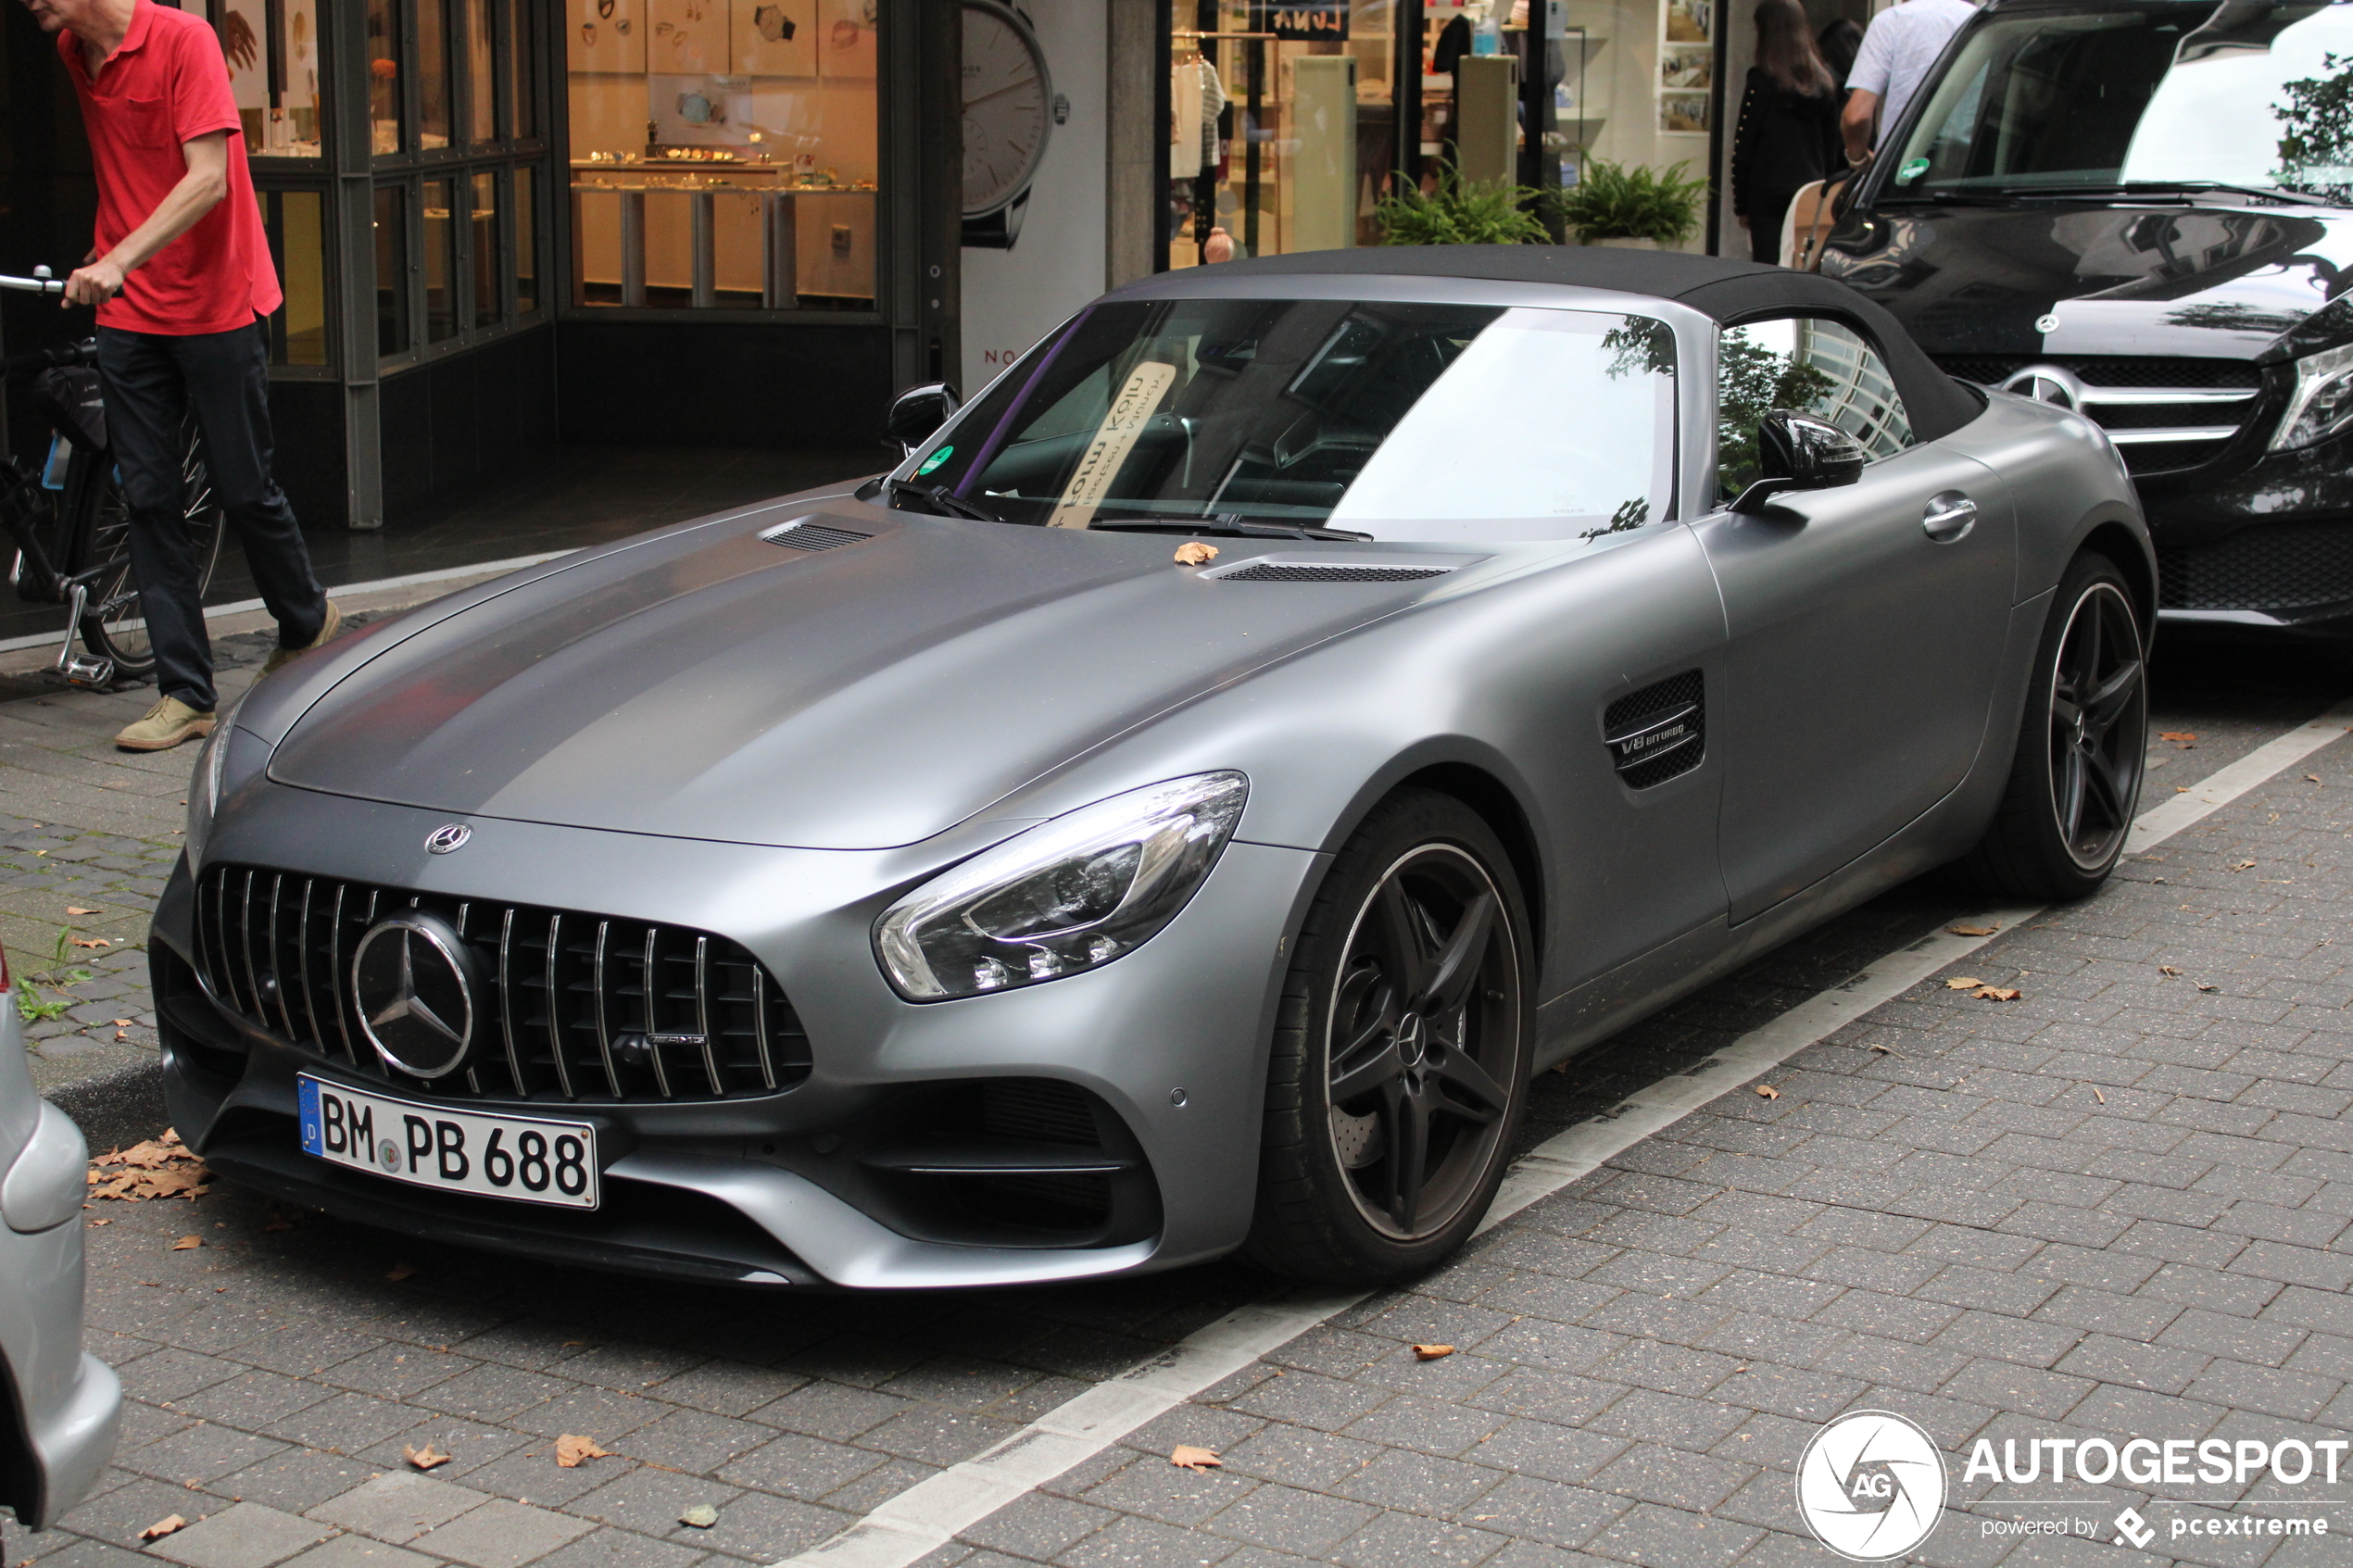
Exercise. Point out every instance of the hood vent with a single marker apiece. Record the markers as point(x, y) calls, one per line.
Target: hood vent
point(804, 535)
point(1289, 571)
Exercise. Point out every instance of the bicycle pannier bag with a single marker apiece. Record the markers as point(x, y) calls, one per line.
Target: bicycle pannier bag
point(69, 397)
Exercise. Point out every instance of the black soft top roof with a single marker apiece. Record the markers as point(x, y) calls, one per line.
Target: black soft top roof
point(1716, 286)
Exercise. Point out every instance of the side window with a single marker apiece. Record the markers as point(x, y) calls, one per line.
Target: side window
point(1809, 364)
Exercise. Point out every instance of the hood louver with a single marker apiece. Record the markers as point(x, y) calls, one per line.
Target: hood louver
point(1285, 572)
point(803, 535)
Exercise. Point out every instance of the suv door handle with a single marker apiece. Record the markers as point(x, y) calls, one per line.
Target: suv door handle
point(1948, 517)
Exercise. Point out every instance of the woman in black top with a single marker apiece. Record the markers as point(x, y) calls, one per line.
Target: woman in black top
point(1788, 135)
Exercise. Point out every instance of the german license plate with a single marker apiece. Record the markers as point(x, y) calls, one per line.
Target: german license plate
point(524, 1158)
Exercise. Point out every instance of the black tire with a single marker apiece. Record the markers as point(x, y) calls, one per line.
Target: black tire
point(113, 627)
point(1441, 1051)
point(2081, 744)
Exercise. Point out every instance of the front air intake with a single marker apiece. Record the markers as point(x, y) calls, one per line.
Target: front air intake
point(1659, 732)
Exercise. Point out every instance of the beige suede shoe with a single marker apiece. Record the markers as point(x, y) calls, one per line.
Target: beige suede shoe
point(334, 623)
point(169, 723)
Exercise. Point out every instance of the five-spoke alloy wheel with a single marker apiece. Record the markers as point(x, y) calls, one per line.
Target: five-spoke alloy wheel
point(1400, 1066)
point(2068, 807)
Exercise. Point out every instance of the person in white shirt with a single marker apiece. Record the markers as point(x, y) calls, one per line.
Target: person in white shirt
point(1903, 43)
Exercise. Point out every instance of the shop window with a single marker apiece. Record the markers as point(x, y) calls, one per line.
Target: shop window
point(486, 255)
point(295, 222)
point(482, 74)
point(1283, 127)
point(392, 271)
point(383, 77)
point(440, 235)
point(725, 153)
point(526, 240)
point(273, 50)
point(1810, 365)
point(433, 74)
point(522, 107)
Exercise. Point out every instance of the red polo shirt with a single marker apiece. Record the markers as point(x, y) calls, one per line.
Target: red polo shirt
point(165, 85)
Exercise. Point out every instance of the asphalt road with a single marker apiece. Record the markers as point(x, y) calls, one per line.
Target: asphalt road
point(2116, 1208)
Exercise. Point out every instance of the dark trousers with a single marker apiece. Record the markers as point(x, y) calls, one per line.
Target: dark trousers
point(151, 379)
point(1768, 210)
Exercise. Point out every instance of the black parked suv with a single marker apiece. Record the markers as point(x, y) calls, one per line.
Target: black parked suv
point(2144, 208)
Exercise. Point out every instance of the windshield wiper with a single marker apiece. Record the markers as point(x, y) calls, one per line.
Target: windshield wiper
point(942, 501)
point(2172, 188)
point(1225, 525)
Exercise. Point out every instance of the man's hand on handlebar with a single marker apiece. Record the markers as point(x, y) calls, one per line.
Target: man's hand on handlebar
point(94, 283)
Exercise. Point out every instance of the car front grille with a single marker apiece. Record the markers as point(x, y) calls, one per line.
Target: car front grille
point(2164, 415)
point(2285, 566)
point(565, 1011)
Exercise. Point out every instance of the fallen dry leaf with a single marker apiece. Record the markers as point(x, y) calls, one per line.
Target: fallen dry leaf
point(2242, 865)
point(424, 1458)
point(2311, 778)
point(2177, 734)
point(1431, 1352)
point(122, 1024)
point(702, 1516)
point(2098, 1096)
point(278, 1223)
point(398, 1271)
point(571, 1449)
point(2204, 986)
point(2167, 969)
point(91, 942)
point(1973, 930)
point(1966, 982)
point(1884, 1050)
point(163, 1528)
point(1996, 993)
point(78, 909)
point(186, 1243)
point(96, 1224)
point(1191, 1458)
point(1766, 1091)
point(1194, 553)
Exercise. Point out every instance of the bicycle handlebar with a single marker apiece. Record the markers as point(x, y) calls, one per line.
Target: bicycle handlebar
point(40, 282)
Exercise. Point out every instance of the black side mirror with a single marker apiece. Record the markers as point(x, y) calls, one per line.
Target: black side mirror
point(1799, 452)
point(917, 413)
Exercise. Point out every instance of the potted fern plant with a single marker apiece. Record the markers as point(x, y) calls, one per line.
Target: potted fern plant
point(1637, 208)
point(1459, 212)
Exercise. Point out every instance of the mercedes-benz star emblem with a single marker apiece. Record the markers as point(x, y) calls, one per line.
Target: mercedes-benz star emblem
point(448, 837)
point(414, 979)
point(2047, 383)
point(2047, 324)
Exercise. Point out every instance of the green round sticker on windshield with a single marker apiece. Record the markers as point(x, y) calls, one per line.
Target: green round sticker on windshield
point(934, 460)
point(1911, 171)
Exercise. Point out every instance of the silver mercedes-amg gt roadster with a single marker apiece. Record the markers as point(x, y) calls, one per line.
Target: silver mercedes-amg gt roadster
point(1179, 807)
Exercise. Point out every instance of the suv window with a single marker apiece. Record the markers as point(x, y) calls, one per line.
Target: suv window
point(1807, 364)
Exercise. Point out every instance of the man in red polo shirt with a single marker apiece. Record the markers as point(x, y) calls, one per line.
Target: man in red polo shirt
point(182, 277)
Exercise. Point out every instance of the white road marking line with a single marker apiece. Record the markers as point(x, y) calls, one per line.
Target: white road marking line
point(216, 612)
point(930, 1513)
point(2226, 784)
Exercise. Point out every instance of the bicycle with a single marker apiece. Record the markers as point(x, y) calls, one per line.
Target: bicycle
point(75, 549)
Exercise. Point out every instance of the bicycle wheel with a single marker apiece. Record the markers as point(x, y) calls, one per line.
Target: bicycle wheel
point(114, 625)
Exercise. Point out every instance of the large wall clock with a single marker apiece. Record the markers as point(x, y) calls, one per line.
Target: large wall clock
point(1008, 115)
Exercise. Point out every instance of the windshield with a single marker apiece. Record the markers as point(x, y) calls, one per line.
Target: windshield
point(2247, 94)
point(1401, 421)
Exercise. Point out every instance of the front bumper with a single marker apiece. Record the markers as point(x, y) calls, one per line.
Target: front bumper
point(1167, 1045)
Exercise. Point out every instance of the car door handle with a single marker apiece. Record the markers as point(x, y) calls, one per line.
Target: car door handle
point(1948, 517)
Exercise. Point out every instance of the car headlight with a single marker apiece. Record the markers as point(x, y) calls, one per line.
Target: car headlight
point(2323, 401)
point(1068, 895)
point(211, 779)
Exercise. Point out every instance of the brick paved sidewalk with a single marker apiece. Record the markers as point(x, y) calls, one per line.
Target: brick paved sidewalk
point(2117, 1206)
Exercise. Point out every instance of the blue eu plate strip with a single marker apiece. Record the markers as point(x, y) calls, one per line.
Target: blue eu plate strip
point(313, 1142)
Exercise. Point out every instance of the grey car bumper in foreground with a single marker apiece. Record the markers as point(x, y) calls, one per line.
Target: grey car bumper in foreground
point(60, 1406)
point(895, 1163)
